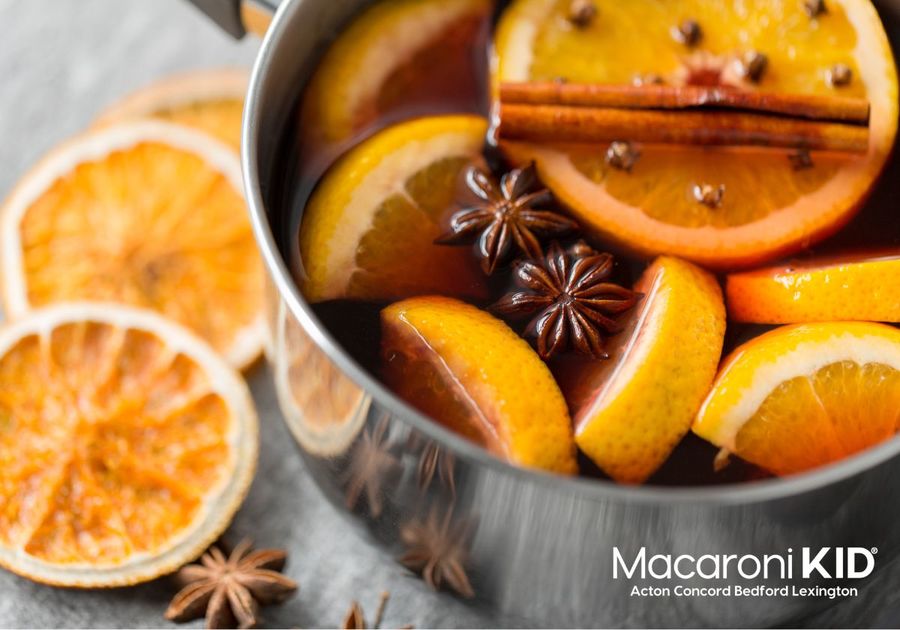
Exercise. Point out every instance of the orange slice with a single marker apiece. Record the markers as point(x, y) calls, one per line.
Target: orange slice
point(632, 410)
point(397, 57)
point(148, 214)
point(368, 231)
point(768, 207)
point(126, 445)
point(208, 100)
point(806, 395)
point(471, 372)
point(847, 287)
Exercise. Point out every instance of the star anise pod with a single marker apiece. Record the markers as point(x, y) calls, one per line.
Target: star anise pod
point(371, 463)
point(230, 590)
point(578, 306)
point(436, 463)
point(438, 549)
point(508, 219)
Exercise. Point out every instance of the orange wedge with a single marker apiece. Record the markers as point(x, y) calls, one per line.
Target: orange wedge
point(368, 231)
point(208, 100)
point(471, 372)
point(631, 410)
point(769, 207)
point(806, 395)
point(846, 287)
point(145, 213)
point(396, 57)
point(126, 445)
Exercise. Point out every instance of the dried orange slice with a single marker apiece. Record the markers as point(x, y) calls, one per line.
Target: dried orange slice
point(471, 372)
point(768, 207)
point(368, 231)
point(849, 287)
point(806, 395)
point(632, 410)
point(208, 100)
point(126, 445)
point(148, 214)
point(396, 57)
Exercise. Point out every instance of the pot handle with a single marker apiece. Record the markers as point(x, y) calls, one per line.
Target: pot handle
point(238, 17)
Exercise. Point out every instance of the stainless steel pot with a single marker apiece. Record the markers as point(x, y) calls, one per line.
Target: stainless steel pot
point(535, 547)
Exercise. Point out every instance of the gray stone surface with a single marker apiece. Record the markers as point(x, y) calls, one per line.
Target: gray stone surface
point(61, 62)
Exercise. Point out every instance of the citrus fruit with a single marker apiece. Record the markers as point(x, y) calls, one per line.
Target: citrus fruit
point(208, 100)
point(145, 213)
point(471, 372)
point(126, 445)
point(396, 57)
point(631, 410)
point(769, 206)
point(368, 231)
point(801, 396)
point(850, 287)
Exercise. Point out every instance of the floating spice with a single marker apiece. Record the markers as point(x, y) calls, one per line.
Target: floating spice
point(622, 155)
point(839, 75)
point(577, 305)
point(687, 33)
point(814, 8)
point(582, 13)
point(752, 65)
point(709, 195)
point(800, 160)
point(507, 221)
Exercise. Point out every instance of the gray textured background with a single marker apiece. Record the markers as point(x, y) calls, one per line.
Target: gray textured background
point(61, 61)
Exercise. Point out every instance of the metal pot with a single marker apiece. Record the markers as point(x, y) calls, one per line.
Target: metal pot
point(534, 547)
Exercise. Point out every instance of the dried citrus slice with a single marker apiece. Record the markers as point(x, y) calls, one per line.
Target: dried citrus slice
point(148, 214)
point(850, 287)
point(471, 372)
point(806, 395)
point(380, 208)
point(209, 100)
point(126, 445)
point(396, 57)
point(630, 411)
point(769, 207)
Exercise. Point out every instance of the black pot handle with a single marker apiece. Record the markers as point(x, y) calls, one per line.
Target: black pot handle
point(236, 17)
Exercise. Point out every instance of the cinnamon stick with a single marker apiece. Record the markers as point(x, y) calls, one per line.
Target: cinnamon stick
point(564, 123)
point(667, 97)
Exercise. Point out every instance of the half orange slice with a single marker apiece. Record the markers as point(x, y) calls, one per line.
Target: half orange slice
point(802, 396)
point(849, 287)
point(768, 207)
point(471, 372)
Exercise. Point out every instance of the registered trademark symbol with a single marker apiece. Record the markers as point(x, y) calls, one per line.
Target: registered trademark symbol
point(874, 550)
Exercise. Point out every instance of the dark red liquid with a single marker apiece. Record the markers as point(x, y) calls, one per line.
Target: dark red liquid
point(453, 79)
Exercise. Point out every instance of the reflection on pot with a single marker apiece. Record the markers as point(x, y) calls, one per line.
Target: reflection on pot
point(324, 409)
point(437, 547)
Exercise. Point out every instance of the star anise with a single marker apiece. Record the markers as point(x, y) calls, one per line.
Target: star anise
point(355, 618)
point(436, 462)
point(578, 305)
point(507, 219)
point(438, 549)
point(230, 590)
point(371, 463)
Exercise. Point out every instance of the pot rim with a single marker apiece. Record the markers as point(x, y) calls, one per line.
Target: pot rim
point(590, 489)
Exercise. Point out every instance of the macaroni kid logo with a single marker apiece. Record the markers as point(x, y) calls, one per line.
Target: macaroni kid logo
point(823, 564)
